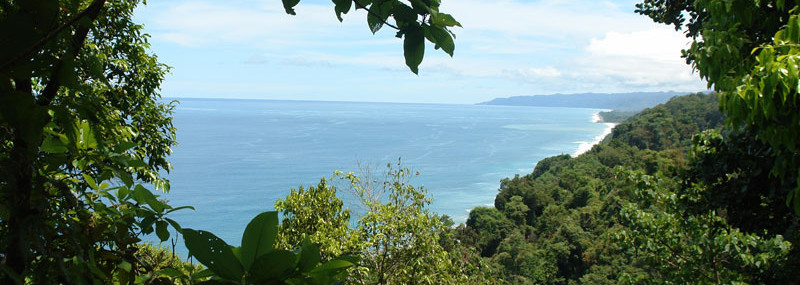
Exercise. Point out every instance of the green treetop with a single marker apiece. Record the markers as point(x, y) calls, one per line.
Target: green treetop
point(83, 129)
point(748, 52)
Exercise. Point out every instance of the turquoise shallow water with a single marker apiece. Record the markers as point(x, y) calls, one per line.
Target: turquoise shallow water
point(236, 157)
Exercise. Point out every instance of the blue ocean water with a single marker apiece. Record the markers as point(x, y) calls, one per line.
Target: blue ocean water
point(235, 158)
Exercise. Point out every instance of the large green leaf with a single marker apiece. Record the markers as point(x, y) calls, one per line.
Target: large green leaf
point(143, 195)
point(214, 253)
point(342, 7)
point(377, 15)
point(171, 272)
point(205, 273)
point(309, 256)
point(52, 144)
point(272, 266)
point(327, 272)
point(85, 136)
point(414, 48)
point(441, 38)
point(259, 237)
point(161, 230)
point(444, 20)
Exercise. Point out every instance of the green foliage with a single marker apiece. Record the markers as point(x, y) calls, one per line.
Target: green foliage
point(82, 130)
point(747, 51)
point(616, 116)
point(735, 171)
point(399, 237)
point(661, 127)
point(161, 266)
point(689, 208)
point(414, 21)
point(564, 232)
point(317, 214)
point(516, 210)
point(256, 261)
point(492, 225)
point(695, 247)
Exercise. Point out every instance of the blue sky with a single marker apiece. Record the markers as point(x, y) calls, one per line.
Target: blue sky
point(253, 49)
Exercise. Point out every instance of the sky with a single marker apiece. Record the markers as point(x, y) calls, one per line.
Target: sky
point(254, 50)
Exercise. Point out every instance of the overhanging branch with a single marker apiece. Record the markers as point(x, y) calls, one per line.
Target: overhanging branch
point(76, 44)
point(358, 5)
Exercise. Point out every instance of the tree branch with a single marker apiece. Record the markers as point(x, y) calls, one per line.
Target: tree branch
point(49, 36)
point(358, 5)
point(78, 39)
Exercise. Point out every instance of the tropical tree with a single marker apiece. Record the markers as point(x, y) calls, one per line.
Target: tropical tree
point(695, 246)
point(399, 236)
point(397, 239)
point(82, 130)
point(748, 52)
point(84, 133)
point(315, 214)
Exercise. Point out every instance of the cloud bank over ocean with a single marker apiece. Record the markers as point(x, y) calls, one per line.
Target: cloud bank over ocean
point(239, 49)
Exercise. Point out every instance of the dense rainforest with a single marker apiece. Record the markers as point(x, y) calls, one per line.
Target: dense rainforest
point(668, 196)
point(679, 193)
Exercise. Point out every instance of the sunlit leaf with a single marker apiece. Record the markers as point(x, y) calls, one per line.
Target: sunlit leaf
point(214, 253)
point(259, 237)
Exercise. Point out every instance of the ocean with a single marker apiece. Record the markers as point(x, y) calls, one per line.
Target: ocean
point(235, 158)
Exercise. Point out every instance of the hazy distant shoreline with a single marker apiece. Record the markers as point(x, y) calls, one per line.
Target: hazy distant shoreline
point(635, 101)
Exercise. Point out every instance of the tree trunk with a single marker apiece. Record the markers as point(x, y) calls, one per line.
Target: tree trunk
point(21, 212)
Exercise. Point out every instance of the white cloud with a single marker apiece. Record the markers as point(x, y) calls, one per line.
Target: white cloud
point(647, 59)
point(546, 45)
point(534, 74)
point(544, 72)
point(661, 44)
point(546, 18)
point(569, 45)
point(209, 24)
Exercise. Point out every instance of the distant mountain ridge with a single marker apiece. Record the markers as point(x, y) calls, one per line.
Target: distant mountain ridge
point(634, 101)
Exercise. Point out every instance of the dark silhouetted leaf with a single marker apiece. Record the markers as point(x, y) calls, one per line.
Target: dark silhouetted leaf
point(272, 266)
point(342, 7)
point(288, 5)
point(309, 256)
point(161, 230)
point(414, 48)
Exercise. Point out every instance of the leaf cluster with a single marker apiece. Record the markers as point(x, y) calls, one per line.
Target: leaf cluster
point(257, 261)
point(655, 202)
point(396, 238)
point(747, 51)
point(415, 21)
point(316, 214)
point(83, 134)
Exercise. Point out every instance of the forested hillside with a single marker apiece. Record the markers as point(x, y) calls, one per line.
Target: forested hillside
point(604, 216)
point(671, 197)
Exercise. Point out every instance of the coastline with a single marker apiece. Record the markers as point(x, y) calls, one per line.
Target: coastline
point(584, 146)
